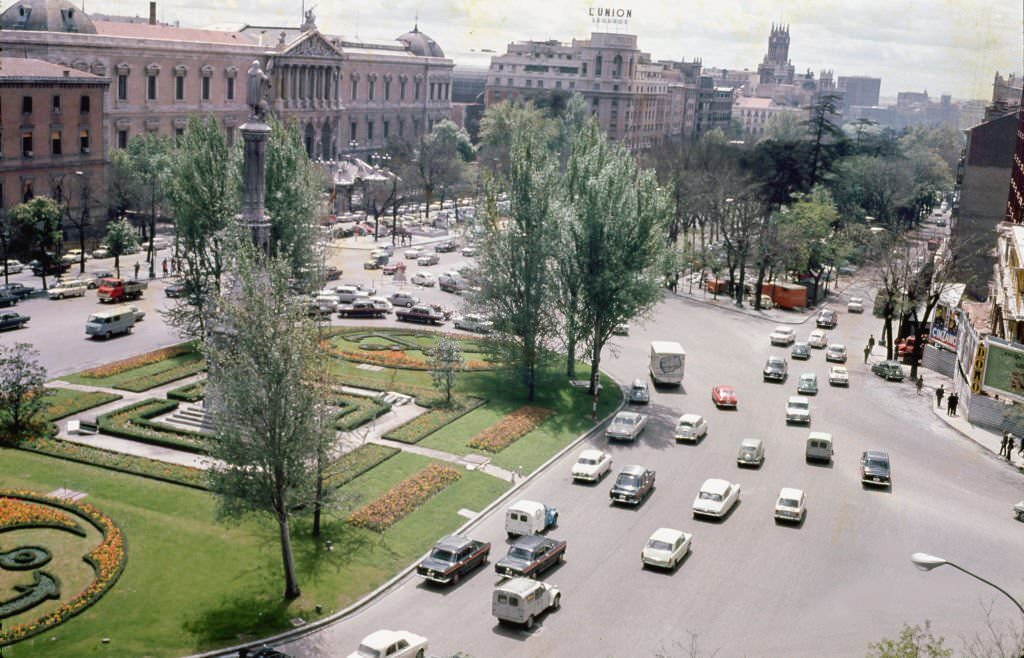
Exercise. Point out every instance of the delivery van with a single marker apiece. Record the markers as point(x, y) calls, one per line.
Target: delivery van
point(668, 359)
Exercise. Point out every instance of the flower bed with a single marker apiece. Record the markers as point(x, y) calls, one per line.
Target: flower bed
point(15, 513)
point(107, 560)
point(124, 365)
point(400, 359)
point(132, 422)
point(353, 464)
point(63, 402)
point(356, 411)
point(423, 425)
point(145, 371)
point(193, 392)
point(509, 429)
point(117, 461)
point(404, 498)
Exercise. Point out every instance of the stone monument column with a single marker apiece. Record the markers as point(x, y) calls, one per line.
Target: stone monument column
point(254, 132)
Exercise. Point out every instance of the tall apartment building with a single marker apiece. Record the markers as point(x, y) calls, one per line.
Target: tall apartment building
point(860, 90)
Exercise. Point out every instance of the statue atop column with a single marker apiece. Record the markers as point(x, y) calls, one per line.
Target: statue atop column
point(257, 86)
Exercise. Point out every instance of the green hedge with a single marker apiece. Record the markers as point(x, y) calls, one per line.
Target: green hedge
point(63, 402)
point(423, 425)
point(184, 366)
point(356, 411)
point(353, 464)
point(117, 461)
point(193, 392)
point(132, 422)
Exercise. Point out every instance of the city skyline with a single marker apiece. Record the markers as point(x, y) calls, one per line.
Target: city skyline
point(956, 48)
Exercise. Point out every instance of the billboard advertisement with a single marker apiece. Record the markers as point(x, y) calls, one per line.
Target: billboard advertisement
point(945, 321)
point(1004, 370)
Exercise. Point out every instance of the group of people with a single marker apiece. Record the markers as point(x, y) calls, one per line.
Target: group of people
point(951, 403)
point(168, 267)
point(1007, 445)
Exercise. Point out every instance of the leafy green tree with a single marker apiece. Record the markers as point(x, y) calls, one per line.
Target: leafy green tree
point(120, 240)
point(263, 358)
point(497, 128)
point(436, 162)
point(806, 230)
point(618, 219)
point(39, 223)
point(445, 363)
point(912, 642)
point(148, 158)
point(22, 392)
point(785, 127)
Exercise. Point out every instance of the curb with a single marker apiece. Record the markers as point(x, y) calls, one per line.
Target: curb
point(1019, 468)
point(312, 627)
point(749, 310)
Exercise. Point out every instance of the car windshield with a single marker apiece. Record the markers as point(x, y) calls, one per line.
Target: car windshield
point(788, 502)
point(877, 463)
point(797, 405)
point(625, 420)
point(725, 391)
point(627, 480)
point(520, 553)
point(659, 545)
point(806, 379)
point(775, 361)
point(587, 461)
point(708, 495)
point(442, 555)
point(686, 424)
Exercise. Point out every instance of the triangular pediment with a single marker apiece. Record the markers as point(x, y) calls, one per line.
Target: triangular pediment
point(312, 44)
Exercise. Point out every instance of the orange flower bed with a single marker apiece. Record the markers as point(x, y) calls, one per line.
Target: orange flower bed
point(399, 359)
point(107, 560)
point(16, 513)
point(500, 435)
point(403, 498)
point(117, 367)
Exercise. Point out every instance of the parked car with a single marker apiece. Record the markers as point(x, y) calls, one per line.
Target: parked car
point(469, 251)
point(591, 465)
point(428, 259)
point(855, 305)
point(19, 290)
point(531, 556)
point(775, 369)
point(632, 485)
point(626, 425)
point(475, 323)
point(139, 314)
point(715, 498)
point(1018, 510)
point(621, 329)
point(54, 268)
point(422, 314)
point(404, 299)
point(453, 557)
point(888, 370)
point(104, 324)
point(12, 320)
point(90, 279)
point(798, 410)
point(807, 384)
point(800, 351)
point(101, 252)
point(522, 600)
point(838, 376)
point(446, 246)
point(836, 353)
point(391, 644)
point(751, 453)
point(7, 299)
point(68, 288)
point(528, 517)
point(818, 339)
point(425, 279)
point(413, 253)
point(666, 548)
point(791, 505)
point(784, 336)
point(451, 282)
point(875, 468)
point(819, 447)
point(177, 289)
point(639, 392)
point(827, 319)
point(12, 266)
point(392, 268)
point(691, 427)
point(723, 396)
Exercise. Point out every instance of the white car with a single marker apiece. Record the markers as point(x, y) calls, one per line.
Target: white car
point(836, 352)
point(592, 465)
point(68, 288)
point(475, 323)
point(715, 498)
point(626, 425)
point(666, 548)
point(691, 427)
point(798, 409)
point(425, 279)
point(428, 259)
point(414, 253)
point(838, 376)
point(13, 266)
point(404, 299)
point(855, 305)
point(818, 339)
point(391, 644)
point(136, 311)
point(381, 302)
point(791, 505)
point(327, 299)
point(782, 336)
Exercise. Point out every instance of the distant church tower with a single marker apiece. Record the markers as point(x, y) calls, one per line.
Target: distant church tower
point(776, 68)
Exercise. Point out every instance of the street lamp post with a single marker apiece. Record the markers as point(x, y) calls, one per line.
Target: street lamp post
point(926, 562)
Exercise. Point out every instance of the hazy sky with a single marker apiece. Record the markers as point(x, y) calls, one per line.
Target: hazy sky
point(942, 46)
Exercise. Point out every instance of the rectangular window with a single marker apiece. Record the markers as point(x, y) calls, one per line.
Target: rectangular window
point(26, 144)
point(369, 132)
point(84, 104)
point(417, 91)
point(231, 89)
point(55, 144)
point(387, 90)
point(355, 88)
point(122, 139)
point(83, 140)
point(206, 89)
point(432, 85)
point(352, 132)
point(373, 86)
point(401, 90)
point(122, 87)
point(179, 88)
point(26, 105)
point(27, 192)
point(56, 104)
point(385, 127)
point(401, 128)
point(151, 88)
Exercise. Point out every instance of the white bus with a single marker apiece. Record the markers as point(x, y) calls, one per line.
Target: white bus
point(668, 360)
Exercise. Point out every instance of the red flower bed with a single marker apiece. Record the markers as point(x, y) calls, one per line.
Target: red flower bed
point(107, 560)
point(16, 513)
point(117, 367)
point(500, 435)
point(403, 498)
point(399, 359)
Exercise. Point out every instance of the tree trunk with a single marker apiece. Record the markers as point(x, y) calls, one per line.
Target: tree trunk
point(291, 585)
point(760, 282)
point(595, 368)
point(317, 507)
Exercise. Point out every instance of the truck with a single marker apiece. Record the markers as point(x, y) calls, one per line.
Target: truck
point(420, 313)
point(668, 361)
point(361, 309)
point(120, 290)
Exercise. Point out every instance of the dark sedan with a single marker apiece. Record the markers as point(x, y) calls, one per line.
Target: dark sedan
point(875, 468)
point(453, 557)
point(889, 370)
point(775, 369)
point(19, 290)
point(531, 556)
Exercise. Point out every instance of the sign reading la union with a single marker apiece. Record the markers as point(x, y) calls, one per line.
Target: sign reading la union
point(619, 15)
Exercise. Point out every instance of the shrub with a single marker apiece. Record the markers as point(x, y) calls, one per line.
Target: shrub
point(132, 422)
point(193, 392)
point(500, 435)
point(356, 411)
point(425, 424)
point(404, 498)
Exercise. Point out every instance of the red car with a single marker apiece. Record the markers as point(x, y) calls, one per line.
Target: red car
point(723, 396)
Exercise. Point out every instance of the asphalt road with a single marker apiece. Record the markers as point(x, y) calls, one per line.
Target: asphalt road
point(750, 587)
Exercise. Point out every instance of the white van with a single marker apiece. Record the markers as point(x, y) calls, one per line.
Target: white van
point(819, 447)
point(522, 600)
point(668, 360)
point(109, 323)
point(528, 517)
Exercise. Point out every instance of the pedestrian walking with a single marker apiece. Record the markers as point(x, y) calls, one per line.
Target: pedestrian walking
point(136, 269)
point(939, 392)
point(1020, 451)
point(1009, 445)
point(165, 267)
point(919, 383)
point(871, 342)
point(1002, 444)
point(867, 352)
point(951, 405)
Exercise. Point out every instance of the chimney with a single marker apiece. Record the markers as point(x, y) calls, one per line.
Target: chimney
point(152, 12)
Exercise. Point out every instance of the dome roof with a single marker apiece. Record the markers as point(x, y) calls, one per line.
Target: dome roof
point(46, 16)
point(420, 44)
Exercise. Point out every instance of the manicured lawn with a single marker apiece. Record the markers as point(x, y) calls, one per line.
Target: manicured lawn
point(193, 584)
point(145, 377)
point(63, 402)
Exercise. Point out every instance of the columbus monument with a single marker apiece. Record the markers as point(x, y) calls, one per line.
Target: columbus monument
point(255, 131)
